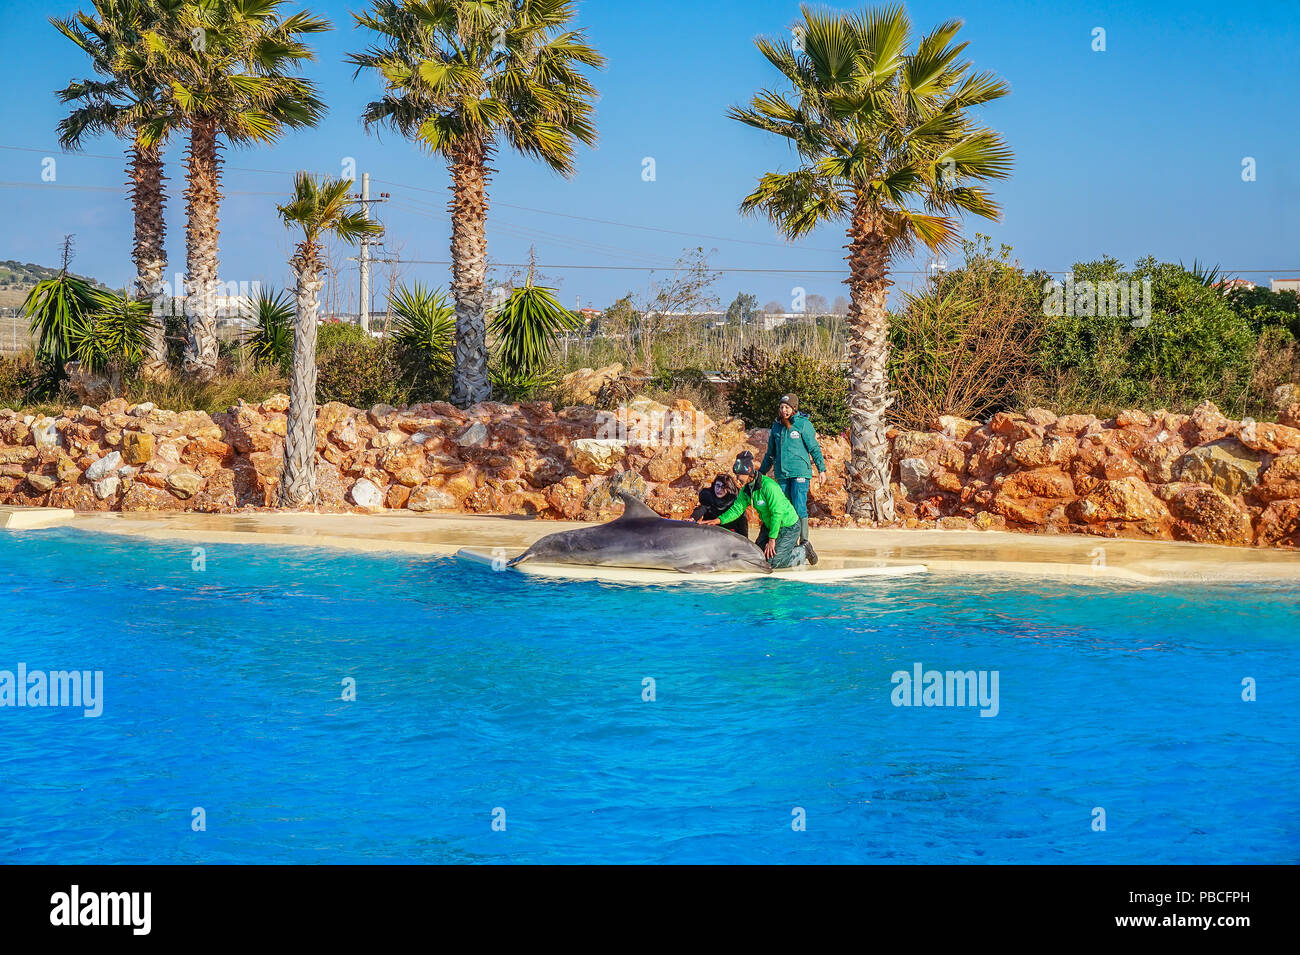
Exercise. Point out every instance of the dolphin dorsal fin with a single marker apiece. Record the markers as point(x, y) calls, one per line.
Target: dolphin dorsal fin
point(633, 508)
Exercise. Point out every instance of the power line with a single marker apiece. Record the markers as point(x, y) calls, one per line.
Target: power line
point(629, 225)
point(507, 227)
point(507, 205)
point(120, 190)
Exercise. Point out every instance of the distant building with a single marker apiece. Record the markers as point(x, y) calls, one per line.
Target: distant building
point(1231, 285)
point(589, 315)
point(1284, 285)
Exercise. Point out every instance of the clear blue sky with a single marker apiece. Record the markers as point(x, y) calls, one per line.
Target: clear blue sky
point(1133, 151)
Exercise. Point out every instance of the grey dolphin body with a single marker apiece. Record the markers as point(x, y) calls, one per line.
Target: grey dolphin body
point(641, 538)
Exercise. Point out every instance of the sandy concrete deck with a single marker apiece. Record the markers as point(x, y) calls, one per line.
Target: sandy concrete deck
point(1077, 557)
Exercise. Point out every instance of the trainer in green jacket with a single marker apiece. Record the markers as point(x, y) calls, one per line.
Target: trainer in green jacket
point(780, 535)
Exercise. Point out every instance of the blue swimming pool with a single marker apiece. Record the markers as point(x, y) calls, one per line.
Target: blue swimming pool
point(485, 697)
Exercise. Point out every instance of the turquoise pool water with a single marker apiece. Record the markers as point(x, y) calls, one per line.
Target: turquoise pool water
point(479, 691)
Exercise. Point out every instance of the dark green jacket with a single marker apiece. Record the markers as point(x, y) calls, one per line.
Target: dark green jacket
point(774, 508)
point(794, 450)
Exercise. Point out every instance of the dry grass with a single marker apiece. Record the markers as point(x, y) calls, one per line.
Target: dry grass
point(181, 394)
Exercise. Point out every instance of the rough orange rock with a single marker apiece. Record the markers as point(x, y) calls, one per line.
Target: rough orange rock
point(1207, 516)
point(1124, 499)
point(1279, 525)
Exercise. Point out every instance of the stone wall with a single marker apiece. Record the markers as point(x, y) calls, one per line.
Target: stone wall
point(1199, 477)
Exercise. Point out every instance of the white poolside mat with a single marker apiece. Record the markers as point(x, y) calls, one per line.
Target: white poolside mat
point(643, 576)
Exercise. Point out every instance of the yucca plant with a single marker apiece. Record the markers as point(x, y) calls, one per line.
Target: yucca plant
point(526, 326)
point(1206, 275)
point(60, 311)
point(514, 385)
point(425, 326)
point(272, 342)
point(119, 335)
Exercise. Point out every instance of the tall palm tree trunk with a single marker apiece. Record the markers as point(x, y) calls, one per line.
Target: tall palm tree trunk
point(148, 201)
point(468, 208)
point(298, 483)
point(870, 467)
point(201, 234)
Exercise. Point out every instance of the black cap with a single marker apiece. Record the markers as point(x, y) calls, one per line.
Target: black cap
point(744, 463)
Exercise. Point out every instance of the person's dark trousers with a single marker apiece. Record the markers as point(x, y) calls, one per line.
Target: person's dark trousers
point(796, 492)
point(789, 550)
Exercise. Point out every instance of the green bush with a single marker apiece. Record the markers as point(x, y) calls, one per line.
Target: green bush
point(335, 334)
point(1196, 347)
point(1265, 309)
point(526, 327)
point(360, 371)
point(761, 378)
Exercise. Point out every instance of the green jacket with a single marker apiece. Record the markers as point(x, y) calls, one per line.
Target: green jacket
point(792, 451)
point(774, 508)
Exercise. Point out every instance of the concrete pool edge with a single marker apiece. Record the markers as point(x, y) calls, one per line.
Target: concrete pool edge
point(942, 551)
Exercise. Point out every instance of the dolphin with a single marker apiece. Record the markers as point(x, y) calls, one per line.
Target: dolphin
point(641, 538)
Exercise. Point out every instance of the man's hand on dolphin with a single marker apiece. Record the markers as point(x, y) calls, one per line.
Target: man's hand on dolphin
point(712, 520)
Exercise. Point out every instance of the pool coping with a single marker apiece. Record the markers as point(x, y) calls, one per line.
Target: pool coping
point(1079, 558)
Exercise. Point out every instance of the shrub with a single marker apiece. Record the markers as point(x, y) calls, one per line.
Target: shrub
point(116, 336)
point(1196, 347)
point(335, 334)
point(1265, 309)
point(761, 378)
point(516, 385)
point(360, 371)
point(965, 345)
point(59, 310)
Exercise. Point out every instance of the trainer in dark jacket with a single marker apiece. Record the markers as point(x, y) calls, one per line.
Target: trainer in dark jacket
point(792, 451)
point(715, 499)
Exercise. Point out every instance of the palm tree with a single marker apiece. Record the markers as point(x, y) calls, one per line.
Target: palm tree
point(230, 65)
point(130, 103)
point(882, 134)
point(319, 208)
point(461, 77)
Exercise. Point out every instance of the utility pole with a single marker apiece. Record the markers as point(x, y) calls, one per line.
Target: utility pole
point(363, 257)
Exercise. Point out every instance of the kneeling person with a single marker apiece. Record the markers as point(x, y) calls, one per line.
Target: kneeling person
point(779, 537)
point(714, 501)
